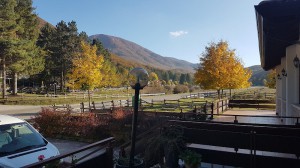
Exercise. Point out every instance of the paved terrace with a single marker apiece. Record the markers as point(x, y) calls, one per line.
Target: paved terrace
point(254, 120)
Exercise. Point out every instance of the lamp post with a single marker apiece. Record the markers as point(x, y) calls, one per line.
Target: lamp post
point(138, 79)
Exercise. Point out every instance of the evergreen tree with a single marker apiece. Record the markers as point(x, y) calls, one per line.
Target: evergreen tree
point(189, 78)
point(46, 41)
point(101, 50)
point(28, 58)
point(182, 79)
point(8, 37)
point(66, 43)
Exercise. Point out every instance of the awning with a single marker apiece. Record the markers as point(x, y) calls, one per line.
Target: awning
point(278, 27)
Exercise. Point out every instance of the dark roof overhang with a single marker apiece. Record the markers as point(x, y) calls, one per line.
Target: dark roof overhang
point(278, 28)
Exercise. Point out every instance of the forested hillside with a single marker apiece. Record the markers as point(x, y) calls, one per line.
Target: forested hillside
point(258, 75)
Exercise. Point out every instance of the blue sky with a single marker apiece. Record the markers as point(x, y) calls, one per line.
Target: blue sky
point(173, 28)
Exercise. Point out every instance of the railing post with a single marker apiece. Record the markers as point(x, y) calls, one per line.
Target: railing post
point(110, 157)
point(181, 114)
point(297, 123)
point(212, 111)
point(235, 119)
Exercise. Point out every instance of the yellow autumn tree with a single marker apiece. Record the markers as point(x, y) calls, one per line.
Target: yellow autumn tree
point(221, 69)
point(111, 77)
point(271, 79)
point(85, 73)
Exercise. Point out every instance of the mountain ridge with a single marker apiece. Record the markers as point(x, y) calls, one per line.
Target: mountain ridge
point(134, 52)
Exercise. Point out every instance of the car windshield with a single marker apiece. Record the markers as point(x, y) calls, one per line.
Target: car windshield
point(19, 137)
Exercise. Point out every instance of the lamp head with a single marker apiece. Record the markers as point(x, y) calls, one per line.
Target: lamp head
point(138, 77)
point(296, 62)
point(278, 77)
point(283, 72)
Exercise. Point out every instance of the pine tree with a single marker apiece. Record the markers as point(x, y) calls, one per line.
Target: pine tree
point(65, 44)
point(182, 78)
point(46, 41)
point(28, 58)
point(8, 37)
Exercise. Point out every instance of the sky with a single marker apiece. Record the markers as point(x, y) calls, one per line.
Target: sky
point(172, 28)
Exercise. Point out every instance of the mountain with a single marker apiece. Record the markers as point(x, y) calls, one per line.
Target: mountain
point(258, 75)
point(134, 52)
point(42, 23)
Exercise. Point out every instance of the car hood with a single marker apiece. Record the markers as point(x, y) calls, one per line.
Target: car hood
point(28, 157)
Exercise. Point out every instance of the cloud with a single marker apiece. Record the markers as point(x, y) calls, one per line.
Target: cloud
point(178, 33)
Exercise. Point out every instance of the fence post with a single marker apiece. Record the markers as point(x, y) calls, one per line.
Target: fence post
point(93, 104)
point(103, 107)
point(217, 107)
point(82, 107)
point(120, 103)
point(265, 95)
point(152, 103)
point(140, 101)
point(127, 101)
point(222, 106)
point(112, 104)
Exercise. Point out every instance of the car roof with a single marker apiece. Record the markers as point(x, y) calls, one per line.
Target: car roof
point(6, 119)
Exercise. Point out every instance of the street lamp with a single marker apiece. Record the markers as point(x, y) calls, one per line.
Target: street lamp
point(138, 79)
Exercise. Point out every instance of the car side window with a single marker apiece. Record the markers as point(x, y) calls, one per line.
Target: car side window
point(4, 138)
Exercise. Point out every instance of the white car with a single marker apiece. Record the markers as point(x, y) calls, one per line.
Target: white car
point(21, 144)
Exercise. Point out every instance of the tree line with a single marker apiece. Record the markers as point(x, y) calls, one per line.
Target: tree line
point(48, 54)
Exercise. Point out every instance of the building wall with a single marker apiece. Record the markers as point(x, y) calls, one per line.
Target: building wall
point(288, 86)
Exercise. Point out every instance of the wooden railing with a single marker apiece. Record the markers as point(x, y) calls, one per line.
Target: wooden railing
point(105, 159)
point(243, 145)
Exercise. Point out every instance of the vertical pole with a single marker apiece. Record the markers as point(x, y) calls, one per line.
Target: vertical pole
point(212, 111)
point(134, 123)
point(109, 151)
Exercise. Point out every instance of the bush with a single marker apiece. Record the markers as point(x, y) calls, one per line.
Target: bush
point(153, 89)
point(169, 89)
point(53, 123)
point(180, 89)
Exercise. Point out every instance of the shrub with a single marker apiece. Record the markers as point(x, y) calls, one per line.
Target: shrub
point(169, 89)
point(153, 89)
point(180, 89)
point(53, 123)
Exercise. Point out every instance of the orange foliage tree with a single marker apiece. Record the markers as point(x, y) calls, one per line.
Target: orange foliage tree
point(220, 69)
